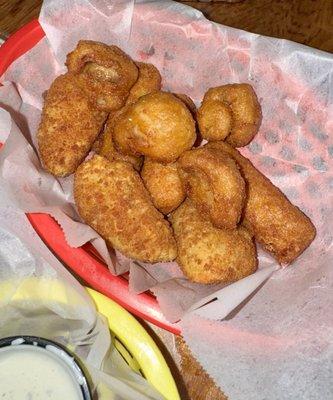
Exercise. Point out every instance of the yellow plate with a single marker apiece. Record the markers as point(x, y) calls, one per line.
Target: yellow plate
point(135, 344)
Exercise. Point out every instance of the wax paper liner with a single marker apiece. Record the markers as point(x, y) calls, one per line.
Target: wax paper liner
point(68, 317)
point(293, 147)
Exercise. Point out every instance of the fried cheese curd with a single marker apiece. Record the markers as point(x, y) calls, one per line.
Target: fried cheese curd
point(207, 254)
point(163, 184)
point(106, 73)
point(213, 182)
point(231, 112)
point(158, 126)
point(69, 126)
point(278, 225)
point(111, 198)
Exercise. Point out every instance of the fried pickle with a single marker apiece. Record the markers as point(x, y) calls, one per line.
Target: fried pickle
point(207, 254)
point(213, 182)
point(244, 109)
point(278, 225)
point(68, 128)
point(164, 185)
point(111, 198)
point(158, 126)
point(106, 73)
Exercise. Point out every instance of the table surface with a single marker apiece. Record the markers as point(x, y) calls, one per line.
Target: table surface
point(305, 21)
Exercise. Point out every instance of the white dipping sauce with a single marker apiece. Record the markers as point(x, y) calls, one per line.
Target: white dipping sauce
point(33, 373)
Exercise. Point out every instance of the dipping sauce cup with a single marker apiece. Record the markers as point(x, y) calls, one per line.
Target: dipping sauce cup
point(36, 368)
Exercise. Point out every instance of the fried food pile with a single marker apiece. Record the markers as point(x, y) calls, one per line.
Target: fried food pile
point(148, 190)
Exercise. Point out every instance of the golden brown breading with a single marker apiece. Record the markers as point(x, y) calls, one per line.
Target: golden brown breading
point(245, 111)
point(149, 81)
point(111, 198)
point(164, 185)
point(106, 73)
point(214, 120)
point(213, 182)
point(105, 146)
point(158, 125)
point(188, 102)
point(210, 255)
point(68, 128)
point(281, 228)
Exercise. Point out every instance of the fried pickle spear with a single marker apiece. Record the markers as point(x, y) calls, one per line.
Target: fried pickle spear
point(106, 73)
point(213, 182)
point(207, 254)
point(112, 199)
point(68, 128)
point(232, 112)
point(164, 185)
point(158, 126)
point(279, 226)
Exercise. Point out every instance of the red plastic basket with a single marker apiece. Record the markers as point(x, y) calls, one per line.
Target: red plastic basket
point(82, 261)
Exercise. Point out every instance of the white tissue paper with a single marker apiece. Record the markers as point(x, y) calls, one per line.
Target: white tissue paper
point(294, 148)
point(58, 308)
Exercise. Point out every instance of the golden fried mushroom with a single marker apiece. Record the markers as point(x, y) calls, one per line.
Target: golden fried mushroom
point(106, 73)
point(68, 128)
point(105, 146)
point(149, 81)
point(214, 120)
point(111, 198)
point(213, 182)
point(281, 228)
point(187, 101)
point(207, 254)
point(245, 111)
point(164, 185)
point(158, 126)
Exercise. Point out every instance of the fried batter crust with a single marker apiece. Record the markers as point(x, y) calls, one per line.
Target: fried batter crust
point(149, 81)
point(69, 125)
point(213, 182)
point(244, 108)
point(210, 255)
point(111, 198)
point(105, 73)
point(281, 227)
point(164, 185)
point(187, 101)
point(158, 125)
point(105, 147)
point(214, 120)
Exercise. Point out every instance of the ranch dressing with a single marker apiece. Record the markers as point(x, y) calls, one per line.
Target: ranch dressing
point(33, 373)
